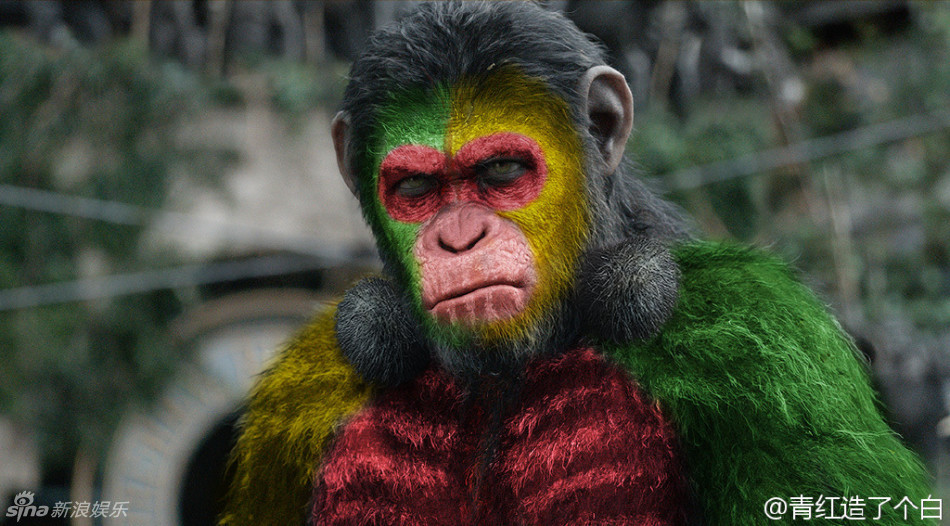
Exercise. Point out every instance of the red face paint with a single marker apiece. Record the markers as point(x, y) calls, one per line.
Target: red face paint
point(417, 181)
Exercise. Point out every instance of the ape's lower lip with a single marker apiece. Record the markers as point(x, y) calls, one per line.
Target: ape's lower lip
point(486, 303)
point(463, 292)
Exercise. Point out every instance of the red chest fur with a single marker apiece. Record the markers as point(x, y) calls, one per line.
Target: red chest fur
point(580, 444)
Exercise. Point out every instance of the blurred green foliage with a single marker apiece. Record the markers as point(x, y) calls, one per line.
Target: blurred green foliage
point(101, 124)
point(296, 89)
point(891, 201)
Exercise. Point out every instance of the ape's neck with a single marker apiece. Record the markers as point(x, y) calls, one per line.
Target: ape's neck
point(476, 363)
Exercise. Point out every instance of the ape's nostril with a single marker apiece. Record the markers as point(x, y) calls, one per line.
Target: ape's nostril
point(461, 243)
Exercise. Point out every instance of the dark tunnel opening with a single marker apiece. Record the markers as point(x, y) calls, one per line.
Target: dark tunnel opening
point(207, 477)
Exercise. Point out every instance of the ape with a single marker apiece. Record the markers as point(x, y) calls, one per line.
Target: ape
point(547, 344)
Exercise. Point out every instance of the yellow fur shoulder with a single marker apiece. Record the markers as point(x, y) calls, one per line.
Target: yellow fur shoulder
point(293, 412)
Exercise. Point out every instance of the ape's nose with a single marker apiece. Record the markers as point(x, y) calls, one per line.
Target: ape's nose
point(460, 228)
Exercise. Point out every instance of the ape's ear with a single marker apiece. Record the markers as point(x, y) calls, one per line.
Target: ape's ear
point(340, 130)
point(609, 104)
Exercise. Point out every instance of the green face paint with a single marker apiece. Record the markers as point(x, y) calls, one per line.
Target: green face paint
point(411, 117)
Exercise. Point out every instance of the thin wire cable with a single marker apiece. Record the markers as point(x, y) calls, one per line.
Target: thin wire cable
point(147, 281)
point(810, 150)
point(125, 214)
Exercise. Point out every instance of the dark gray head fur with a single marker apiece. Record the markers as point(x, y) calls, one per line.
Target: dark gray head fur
point(442, 42)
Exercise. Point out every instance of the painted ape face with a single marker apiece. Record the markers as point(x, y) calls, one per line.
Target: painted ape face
point(479, 193)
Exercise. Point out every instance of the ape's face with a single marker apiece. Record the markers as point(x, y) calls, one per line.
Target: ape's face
point(478, 191)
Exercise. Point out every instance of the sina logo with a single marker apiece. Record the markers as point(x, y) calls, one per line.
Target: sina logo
point(23, 507)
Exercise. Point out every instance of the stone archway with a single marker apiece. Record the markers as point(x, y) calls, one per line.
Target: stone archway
point(164, 455)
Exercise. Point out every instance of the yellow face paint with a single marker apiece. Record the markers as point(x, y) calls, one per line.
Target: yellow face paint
point(556, 223)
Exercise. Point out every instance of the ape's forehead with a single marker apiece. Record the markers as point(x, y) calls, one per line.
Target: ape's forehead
point(449, 116)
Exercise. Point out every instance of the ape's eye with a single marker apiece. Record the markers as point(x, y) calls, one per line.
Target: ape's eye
point(500, 172)
point(415, 185)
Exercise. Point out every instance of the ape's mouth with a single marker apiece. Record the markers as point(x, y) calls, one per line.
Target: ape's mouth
point(480, 303)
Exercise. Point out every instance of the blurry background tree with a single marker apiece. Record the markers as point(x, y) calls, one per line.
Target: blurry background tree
point(848, 104)
point(98, 124)
point(817, 128)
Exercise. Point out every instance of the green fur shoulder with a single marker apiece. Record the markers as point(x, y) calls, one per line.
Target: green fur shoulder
point(768, 394)
point(293, 412)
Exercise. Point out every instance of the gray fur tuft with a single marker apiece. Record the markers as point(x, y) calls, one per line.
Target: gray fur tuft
point(378, 335)
point(626, 293)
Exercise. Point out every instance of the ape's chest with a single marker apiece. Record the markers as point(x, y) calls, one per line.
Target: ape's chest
point(580, 442)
